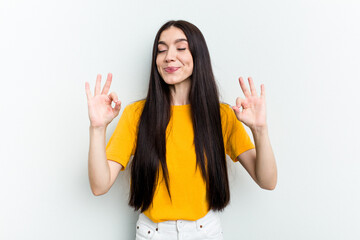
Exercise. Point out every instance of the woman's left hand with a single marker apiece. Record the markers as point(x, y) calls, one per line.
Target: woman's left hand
point(253, 112)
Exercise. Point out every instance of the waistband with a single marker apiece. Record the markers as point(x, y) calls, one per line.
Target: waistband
point(180, 225)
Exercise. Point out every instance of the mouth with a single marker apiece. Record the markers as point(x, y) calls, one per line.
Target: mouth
point(171, 69)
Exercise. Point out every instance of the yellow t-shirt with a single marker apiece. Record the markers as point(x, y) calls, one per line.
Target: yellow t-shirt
point(187, 187)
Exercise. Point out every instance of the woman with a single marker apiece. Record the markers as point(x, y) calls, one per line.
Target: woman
point(179, 136)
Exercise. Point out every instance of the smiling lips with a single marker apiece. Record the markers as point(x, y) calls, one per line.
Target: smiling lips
point(171, 69)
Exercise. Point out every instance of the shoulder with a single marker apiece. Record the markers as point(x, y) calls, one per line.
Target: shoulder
point(226, 111)
point(228, 117)
point(134, 109)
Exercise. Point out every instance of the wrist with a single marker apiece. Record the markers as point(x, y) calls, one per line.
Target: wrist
point(93, 128)
point(259, 130)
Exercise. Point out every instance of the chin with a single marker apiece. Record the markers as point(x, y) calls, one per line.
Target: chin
point(173, 80)
point(170, 82)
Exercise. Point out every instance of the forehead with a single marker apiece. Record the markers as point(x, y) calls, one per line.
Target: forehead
point(171, 35)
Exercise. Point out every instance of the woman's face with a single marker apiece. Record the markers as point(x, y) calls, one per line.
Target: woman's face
point(174, 60)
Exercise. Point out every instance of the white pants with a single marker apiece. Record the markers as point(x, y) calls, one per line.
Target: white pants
point(206, 228)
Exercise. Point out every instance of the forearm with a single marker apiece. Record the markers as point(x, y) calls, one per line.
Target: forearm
point(99, 171)
point(265, 167)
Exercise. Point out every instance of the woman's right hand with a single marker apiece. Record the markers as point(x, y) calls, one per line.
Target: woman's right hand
point(101, 113)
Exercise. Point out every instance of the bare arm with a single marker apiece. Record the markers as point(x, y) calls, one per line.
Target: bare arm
point(259, 163)
point(102, 172)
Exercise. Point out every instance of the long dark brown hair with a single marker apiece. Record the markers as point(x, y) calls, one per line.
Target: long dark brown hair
point(150, 152)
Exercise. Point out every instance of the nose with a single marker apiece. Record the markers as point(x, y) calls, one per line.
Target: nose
point(170, 55)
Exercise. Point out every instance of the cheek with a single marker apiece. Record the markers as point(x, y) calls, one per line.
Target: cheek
point(157, 62)
point(189, 60)
point(191, 63)
point(158, 65)
point(159, 69)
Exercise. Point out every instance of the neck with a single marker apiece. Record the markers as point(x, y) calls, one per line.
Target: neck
point(180, 92)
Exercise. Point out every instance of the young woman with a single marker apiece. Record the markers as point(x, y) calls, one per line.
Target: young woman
point(179, 137)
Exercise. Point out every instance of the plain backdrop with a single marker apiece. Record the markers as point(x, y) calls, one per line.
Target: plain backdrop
point(307, 53)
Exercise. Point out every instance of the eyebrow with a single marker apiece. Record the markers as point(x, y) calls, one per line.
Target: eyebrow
point(176, 41)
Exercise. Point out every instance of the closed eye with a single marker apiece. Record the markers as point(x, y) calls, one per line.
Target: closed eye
point(180, 49)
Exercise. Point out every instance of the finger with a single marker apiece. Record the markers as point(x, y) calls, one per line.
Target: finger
point(244, 88)
point(97, 85)
point(236, 109)
point(87, 90)
point(117, 107)
point(107, 84)
point(239, 102)
point(113, 97)
point(252, 86)
point(242, 103)
point(262, 87)
point(238, 113)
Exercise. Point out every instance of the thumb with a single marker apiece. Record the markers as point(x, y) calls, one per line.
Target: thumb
point(238, 113)
point(117, 107)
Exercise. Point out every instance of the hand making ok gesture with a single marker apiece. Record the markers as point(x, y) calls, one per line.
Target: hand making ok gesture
point(253, 112)
point(101, 113)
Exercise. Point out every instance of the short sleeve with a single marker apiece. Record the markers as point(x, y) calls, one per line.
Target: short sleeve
point(122, 143)
point(236, 139)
